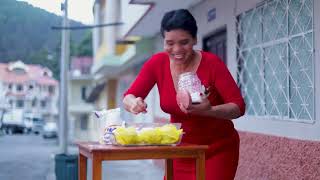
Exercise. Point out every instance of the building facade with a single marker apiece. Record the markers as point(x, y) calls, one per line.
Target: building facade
point(80, 84)
point(30, 89)
point(271, 48)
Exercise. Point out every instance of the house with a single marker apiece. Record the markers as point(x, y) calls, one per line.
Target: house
point(80, 81)
point(30, 89)
point(117, 60)
point(270, 47)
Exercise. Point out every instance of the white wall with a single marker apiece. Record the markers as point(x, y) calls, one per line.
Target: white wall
point(226, 12)
point(75, 94)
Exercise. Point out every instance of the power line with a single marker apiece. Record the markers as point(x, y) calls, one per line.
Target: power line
point(86, 27)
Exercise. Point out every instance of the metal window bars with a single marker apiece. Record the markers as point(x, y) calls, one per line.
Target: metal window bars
point(275, 56)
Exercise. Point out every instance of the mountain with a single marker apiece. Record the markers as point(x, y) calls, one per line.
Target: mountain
point(26, 34)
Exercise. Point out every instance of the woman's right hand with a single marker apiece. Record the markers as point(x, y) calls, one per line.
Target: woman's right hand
point(134, 104)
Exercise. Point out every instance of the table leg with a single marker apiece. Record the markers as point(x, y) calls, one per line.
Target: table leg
point(169, 169)
point(82, 167)
point(96, 168)
point(200, 166)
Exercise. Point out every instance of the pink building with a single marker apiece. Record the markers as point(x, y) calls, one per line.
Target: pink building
point(29, 88)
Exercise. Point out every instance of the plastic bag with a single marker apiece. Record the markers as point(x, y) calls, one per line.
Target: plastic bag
point(142, 134)
point(109, 121)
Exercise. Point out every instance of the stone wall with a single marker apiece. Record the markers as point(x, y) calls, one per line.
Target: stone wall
point(266, 157)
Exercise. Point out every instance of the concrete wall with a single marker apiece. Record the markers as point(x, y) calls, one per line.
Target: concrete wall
point(75, 96)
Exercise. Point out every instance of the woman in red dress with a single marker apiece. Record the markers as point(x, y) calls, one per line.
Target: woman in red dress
point(206, 123)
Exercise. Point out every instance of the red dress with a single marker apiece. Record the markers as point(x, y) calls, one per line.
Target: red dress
point(219, 134)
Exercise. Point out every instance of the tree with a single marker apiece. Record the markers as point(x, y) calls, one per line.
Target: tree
point(85, 46)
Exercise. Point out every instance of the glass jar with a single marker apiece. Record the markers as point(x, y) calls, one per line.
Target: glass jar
point(190, 81)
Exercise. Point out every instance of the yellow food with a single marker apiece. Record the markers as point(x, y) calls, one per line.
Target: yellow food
point(167, 134)
point(150, 136)
point(170, 134)
point(126, 136)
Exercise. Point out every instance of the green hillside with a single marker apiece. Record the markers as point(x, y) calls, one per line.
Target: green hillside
point(26, 34)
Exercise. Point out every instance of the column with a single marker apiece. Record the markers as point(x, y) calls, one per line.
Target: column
point(113, 15)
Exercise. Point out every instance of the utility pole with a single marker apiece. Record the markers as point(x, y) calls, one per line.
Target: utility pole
point(64, 66)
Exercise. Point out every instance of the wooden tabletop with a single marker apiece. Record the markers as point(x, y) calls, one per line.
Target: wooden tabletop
point(96, 146)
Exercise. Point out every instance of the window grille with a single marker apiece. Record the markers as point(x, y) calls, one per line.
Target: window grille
point(275, 56)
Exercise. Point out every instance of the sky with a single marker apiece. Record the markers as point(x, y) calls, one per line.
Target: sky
point(79, 10)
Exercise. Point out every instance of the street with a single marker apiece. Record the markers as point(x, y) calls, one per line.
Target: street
point(30, 157)
point(27, 157)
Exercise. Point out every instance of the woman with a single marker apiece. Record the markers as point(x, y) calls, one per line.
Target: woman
point(206, 123)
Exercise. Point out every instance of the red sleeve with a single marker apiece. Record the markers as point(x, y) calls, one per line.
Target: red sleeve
point(226, 86)
point(144, 81)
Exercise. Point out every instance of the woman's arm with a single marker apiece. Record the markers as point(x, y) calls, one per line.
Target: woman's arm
point(223, 111)
point(134, 97)
point(233, 106)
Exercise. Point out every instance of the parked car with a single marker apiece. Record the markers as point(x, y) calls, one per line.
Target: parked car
point(37, 125)
point(50, 130)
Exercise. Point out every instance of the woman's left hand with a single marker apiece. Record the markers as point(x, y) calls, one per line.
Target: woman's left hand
point(197, 109)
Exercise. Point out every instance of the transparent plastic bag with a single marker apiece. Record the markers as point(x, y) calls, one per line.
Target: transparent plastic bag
point(109, 120)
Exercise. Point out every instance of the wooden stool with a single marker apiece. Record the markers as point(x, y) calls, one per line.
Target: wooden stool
point(100, 152)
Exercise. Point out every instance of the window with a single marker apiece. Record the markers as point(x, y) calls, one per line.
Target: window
point(43, 103)
point(11, 103)
point(85, 69)
point(276, 59)
point(19, 87)
point(34, 102)
point(217, 44)
point(19, 71)
point(20, 103)
point(84, 122)
point(83, 92)
point(51, 89)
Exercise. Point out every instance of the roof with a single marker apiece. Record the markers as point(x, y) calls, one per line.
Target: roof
point(14, 73)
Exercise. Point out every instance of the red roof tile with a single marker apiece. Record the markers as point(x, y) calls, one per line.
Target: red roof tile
point(34, 73)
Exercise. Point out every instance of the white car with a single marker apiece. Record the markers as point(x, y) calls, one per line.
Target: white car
point(50, 130)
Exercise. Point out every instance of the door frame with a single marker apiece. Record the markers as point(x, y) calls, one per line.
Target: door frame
point(216, 32)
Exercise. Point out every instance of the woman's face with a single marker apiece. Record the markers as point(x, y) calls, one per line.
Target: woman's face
point(179, 44)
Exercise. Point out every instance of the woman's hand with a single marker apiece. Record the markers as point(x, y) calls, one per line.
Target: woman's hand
point(134, 104)
point(197, 109)
point(223, 111)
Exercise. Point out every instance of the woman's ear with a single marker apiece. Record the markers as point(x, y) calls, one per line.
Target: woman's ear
point(195, 41)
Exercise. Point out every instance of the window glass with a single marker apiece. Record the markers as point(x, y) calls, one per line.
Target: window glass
point(20, 103)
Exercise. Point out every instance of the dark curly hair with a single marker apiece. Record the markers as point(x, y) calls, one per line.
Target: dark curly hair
point(179, 19)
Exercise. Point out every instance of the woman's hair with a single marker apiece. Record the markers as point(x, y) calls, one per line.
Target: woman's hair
point(179, 19)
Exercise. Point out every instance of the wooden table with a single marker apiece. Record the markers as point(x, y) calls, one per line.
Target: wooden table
point(99, 152)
